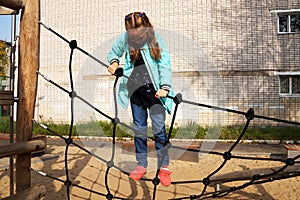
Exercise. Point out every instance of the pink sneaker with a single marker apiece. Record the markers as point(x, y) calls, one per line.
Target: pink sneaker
point(164, 175)
point(138, 173)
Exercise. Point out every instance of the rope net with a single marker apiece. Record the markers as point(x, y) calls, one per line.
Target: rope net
point(287, 169)
point(215, 46)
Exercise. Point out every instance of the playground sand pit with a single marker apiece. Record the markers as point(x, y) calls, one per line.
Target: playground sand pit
point(89, 172)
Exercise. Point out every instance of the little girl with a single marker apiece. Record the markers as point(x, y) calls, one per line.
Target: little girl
point(147, 64)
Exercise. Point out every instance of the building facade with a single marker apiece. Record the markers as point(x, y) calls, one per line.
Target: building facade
point(230, 54)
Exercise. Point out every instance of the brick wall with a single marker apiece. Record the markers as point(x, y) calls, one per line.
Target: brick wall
point(224, 53)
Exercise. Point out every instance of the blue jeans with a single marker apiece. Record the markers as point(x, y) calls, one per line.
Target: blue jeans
point(157, 115)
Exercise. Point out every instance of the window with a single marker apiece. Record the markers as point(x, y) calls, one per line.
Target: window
point(289, 85)
point(289, 23)
point(288, 20)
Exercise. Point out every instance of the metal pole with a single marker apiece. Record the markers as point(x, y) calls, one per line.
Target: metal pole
point(11, 85)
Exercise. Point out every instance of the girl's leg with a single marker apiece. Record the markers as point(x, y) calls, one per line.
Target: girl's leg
point(140, 135)
point(158, 116)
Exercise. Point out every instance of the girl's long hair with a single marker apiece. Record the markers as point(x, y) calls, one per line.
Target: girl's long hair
point(136, 20)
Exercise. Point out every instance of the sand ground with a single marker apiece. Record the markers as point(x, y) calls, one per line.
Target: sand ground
point(89, 172)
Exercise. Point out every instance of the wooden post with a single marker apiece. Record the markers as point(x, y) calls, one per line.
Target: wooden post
point(27, 86)
point(6, 98)
point(34, 193)
point(21, 148)
point(12, 4)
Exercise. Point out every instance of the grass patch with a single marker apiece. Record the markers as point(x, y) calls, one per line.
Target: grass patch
point(191, 130)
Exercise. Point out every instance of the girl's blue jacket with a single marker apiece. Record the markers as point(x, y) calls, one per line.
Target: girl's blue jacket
point(160, 71)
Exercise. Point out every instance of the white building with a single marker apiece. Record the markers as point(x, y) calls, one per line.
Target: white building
point(223, 55)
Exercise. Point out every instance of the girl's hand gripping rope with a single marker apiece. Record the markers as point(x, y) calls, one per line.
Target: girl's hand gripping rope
point(112, 68)
point(161, 93)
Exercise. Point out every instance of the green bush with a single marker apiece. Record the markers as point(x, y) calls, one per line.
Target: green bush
point(4, 124)
point(59, 129)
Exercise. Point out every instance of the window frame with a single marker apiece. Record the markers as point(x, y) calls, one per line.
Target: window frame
point(290, 76)
point(287, 13)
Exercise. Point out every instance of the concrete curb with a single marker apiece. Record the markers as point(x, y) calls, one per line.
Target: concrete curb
point(190, 140)
point(6, 137)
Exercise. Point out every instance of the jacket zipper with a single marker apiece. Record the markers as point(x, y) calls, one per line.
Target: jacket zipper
point(148, 68)
point(152, 77)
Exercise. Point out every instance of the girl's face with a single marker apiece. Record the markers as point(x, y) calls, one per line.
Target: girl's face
point(138, 35)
